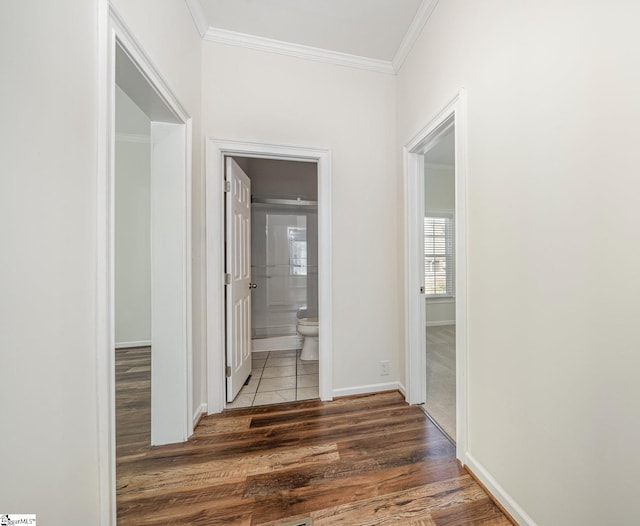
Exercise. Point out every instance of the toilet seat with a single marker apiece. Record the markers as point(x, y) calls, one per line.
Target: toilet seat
point(308, 321)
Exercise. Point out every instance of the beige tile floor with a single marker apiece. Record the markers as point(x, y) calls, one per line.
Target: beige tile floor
point(276, 377)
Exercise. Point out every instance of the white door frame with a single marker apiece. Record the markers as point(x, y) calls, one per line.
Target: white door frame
point(415, 336)
point(216, 150)
point(113, 32)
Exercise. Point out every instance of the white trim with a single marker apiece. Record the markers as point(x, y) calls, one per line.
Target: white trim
point(422, 16)
point(499, 493)
point(141, 59)
point(199, 18)
point(402, 389)
point(453, 113)
point(440, 323)
point(105, 359)
point(188, 269)
point(415, 305)
point(270, 45)
point(197, 414)
point(233, 38)
point(141, 343)
point(215, 153)
point(365, 389)
point(133, 137)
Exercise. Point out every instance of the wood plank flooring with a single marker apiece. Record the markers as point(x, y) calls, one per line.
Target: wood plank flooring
point(364, 460)
point(133, 400)
point(441, 377)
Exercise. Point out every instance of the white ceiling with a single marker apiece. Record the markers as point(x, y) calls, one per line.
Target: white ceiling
point(365, 28)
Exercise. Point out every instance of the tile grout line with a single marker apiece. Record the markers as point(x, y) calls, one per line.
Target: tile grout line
point(255, 394)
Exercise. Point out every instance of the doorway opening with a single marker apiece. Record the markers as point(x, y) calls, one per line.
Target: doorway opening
point(435, 273)
point(132, 275)
point(282, 290)
point(276, 315)
point(439, 280)
point(161, 238)
point(144, 272)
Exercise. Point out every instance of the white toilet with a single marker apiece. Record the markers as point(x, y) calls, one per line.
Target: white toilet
point(308, 327)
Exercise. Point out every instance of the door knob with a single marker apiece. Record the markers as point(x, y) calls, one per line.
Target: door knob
point(253, 285)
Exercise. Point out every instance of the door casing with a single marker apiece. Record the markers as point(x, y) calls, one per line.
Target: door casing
point(454, 112)
point(216, 151)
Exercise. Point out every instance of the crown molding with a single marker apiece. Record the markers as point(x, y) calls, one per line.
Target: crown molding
point(223, 36)
point(199, 18)
point(422, 16)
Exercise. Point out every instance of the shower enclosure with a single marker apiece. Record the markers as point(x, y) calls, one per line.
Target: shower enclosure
point(284, 266)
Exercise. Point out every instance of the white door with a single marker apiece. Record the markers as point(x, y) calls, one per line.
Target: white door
point(238, 267)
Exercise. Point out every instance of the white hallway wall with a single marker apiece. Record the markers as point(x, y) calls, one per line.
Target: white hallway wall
point(255, 96)
point(48, 166)
point(554, 118)
point(174, 46)
point(552, 371)
point(48, 194)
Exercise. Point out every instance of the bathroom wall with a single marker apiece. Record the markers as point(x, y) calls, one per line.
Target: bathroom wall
point(132, 224)
point(281, 284)
point(283, 179)
point(282, 289)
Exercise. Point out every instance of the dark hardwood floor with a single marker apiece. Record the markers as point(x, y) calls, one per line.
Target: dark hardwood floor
point(363, 460)
point(133, 400)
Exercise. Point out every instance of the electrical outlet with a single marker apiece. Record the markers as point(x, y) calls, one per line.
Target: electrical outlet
point(384, 368)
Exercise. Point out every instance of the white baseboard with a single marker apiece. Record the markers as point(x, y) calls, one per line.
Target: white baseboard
point(125, 345)
point(200, 410)
point(507, 502)
point(364, 389)
point(277, 343)
point(402, 389)
point(439, 323)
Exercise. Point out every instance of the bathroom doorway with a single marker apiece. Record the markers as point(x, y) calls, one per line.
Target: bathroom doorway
point(283, 282)
point(218, 152)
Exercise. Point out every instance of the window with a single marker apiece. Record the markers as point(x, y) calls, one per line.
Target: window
point(297, 237)
point(439, 263)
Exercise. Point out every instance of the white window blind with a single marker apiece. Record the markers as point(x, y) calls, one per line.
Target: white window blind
point(439, 262)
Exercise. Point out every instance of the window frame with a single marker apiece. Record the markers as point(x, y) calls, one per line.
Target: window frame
point(450, 253)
